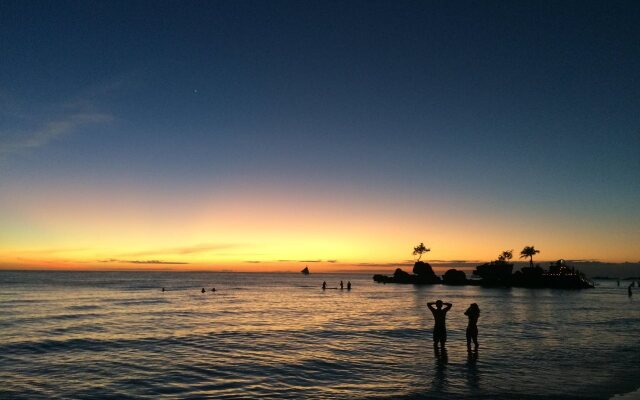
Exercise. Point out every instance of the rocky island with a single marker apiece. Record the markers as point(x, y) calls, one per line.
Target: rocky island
point(498, 273)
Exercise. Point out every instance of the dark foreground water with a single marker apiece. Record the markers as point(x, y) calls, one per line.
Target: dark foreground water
point(116, 335)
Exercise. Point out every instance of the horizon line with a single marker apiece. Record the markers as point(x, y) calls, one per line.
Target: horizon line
point(355, 267)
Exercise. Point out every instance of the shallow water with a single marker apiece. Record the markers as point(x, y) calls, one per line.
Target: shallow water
point(116, 335)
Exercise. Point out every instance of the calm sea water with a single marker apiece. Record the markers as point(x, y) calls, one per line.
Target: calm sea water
point(116, 335)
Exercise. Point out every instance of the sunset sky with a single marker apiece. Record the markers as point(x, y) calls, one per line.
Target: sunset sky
point(268, 135)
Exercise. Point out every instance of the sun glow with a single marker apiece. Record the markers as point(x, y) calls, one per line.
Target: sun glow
point(265, 228)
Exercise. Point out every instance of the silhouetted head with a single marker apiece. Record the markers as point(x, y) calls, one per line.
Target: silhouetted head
point(474, 308)
point(439, 303)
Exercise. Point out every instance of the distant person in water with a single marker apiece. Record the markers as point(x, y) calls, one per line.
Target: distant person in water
point(163, 289)
point(203, 290)
point(213, 289)
point(349, 285)
point(630, 292)
point(473, 312)
point(341, 285)
point(439, 314)
point(324, 285)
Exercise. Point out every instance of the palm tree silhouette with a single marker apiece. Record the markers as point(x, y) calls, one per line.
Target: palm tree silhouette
point(529, 251)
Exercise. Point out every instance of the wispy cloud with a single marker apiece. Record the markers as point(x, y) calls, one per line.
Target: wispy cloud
point(308, 261)
point(294, 261)
point(199, 248)
point(115, 260)
point(37, 124)
point(368, 264)
point(50, 131)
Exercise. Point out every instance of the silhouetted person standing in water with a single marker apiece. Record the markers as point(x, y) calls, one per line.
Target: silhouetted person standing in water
point(203, 290)
point(473, 312)
point(341, 285)
point(324, 285)
point(349, 285)
point(440, 328)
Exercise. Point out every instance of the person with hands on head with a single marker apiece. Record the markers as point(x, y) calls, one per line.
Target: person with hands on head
point(439, 315)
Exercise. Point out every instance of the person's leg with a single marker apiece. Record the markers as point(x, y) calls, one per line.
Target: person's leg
point(474, 336)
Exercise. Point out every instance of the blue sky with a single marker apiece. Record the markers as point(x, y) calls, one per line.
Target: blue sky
point(502, 107)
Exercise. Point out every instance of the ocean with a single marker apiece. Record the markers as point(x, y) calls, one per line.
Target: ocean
point(102, 335)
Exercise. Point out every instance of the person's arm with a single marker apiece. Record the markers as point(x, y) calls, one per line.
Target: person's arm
point(430, 305)
point(467, 312)
point(447, 306)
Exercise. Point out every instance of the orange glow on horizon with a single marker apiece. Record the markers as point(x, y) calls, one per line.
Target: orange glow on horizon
point(255, 228)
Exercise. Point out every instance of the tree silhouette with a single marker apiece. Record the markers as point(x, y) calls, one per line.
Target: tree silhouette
point(529, 251)
point(419, 250)
point(506, 255)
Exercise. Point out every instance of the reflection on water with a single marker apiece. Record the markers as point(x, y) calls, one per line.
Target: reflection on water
point(97, 335)
point(473, 377)
point(440, 381)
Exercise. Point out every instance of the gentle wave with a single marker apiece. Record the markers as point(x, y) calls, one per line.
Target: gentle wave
point(83, 307)
point(628, 396)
